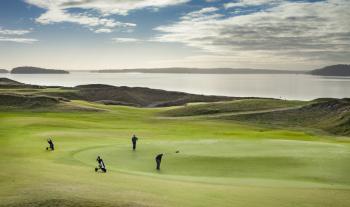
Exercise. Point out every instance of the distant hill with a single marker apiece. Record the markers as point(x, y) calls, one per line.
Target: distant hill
point(36, 70)
point(139, 96)
point(333, 70)
point(3, 71)
point(202, 71)
point(9, 82)
point(113, 95)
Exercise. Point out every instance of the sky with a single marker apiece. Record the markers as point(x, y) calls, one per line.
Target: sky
point(119, 34)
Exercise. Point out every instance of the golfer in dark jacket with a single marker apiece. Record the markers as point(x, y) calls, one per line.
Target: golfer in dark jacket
point(159, 160)
point(101, 165)
point(134, 140)
point(52, 146)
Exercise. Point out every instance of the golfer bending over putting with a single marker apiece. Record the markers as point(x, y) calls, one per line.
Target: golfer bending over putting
point(101, 165)
point(52, 146)
point(134, 140)
point(159, 160)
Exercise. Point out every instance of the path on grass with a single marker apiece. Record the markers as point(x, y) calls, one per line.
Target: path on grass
point(225, 114)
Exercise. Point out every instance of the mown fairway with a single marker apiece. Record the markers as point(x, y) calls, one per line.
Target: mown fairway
point(221, 162)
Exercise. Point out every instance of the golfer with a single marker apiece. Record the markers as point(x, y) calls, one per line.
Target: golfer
point(134, 140)
point(52, 146)
point(101, 165)
point(159, 160)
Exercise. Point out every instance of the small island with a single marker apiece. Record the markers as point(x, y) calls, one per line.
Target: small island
point(333, 70)
point(36, 70)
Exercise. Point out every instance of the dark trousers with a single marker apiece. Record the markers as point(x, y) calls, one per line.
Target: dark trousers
point(133, 145)
point(158, 165)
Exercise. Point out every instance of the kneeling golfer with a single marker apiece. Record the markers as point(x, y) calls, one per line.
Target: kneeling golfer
point(52, 146)
point(101, 165)
point(159, 160)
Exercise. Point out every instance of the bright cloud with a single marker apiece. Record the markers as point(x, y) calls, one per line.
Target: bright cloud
point(60, 11)
point(11, 35)
point(301, 31)
point(106, 7)
point(13, 32)
point(245, 3)
point(103, 30)
point(18, 40)
point(124, 40)
point(200, 13)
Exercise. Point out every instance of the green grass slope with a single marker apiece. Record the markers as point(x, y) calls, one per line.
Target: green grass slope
point(221, 163)
point(231, 107)
point(332, 115)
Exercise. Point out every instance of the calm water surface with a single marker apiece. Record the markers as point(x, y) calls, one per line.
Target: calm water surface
point(301, 87)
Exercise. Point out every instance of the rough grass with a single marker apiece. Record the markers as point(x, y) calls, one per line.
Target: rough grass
point(28, 101)
point(221, 163)
point(332, 115)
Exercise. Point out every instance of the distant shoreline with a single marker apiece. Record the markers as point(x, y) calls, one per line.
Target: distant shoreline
point(333, 70)
point(201, 71)
point(341, 70)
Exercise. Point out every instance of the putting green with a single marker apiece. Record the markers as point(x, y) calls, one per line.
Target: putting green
point(207, 160)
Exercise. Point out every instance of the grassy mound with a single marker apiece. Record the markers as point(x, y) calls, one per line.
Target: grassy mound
point(27, 101)
point(332, 115)
point(8, 83)
point(231, 106)
point(142, 97)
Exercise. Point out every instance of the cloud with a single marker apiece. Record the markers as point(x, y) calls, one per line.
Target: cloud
point(13, 32)
point(200, 13)
point(57, 15)
point(11, 35)
point(300, 31)
point(93, 13)
point(125, 40)
point(103, 30)
point(18, 40)
point(245, 3)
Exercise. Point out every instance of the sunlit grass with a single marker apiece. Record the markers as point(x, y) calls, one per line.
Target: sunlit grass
point(221, 163)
